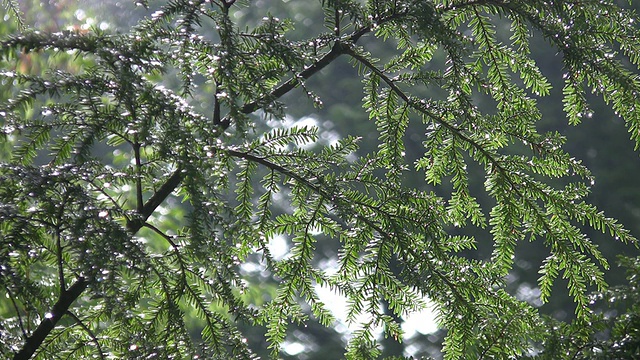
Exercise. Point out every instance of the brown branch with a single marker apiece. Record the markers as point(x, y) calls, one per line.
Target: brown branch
point(165, 190)
point(290, 84)
point(339, 48)
point(60, 308)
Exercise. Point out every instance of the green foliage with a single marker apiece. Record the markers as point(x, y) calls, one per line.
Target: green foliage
point(13, 8)
point(611, 333)
point(92, 267)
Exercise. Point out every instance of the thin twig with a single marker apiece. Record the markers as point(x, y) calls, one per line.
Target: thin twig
point(136, 152)
point(88, 331)
point(63, 285)
point(15, 306)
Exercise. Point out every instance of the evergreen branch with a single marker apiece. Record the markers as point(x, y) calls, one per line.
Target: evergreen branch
point(196, 298)
point(138, 172)
point(377, 219)
point(156, 199)
point(497, 166)
point(291, 84)
point(357, 34)
point(454, 130)
point(459, 5)
point(174, 246)
point(337, 201)
point(448, 282)
point(60, 308)
point(501, 335)
point(93, 337)
point(338, 49)
point(145, 211)
point(68, 296)
point(101, 189)
point(489, 42)
point(59, 260)
point(14, 7)
point(33, 41)
point(17, 310)
point(273, 166)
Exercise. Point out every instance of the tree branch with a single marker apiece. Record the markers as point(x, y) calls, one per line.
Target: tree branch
point(338, 49)
point(165, 190)
point(136, 153)
point(60, 308)
point(290, 84)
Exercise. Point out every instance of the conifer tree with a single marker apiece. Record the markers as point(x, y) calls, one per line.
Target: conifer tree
point(172, 114)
